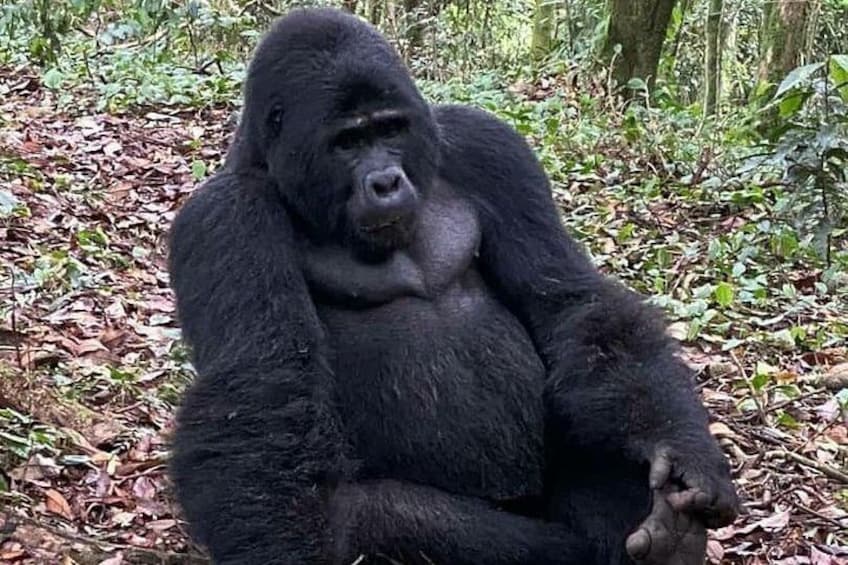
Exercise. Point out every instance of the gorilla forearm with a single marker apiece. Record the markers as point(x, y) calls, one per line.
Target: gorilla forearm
point(251, 453)
point(419, 524)
point(255, 435)
point(614, 379)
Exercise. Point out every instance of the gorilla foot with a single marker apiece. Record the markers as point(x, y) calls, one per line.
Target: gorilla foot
point(667, 537)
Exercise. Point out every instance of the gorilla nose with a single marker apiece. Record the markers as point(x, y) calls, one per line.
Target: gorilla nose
point(385, 184)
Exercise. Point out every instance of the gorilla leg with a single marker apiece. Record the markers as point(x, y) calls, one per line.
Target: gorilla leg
point(421, 525)
point(608, 499)
point(602, 498)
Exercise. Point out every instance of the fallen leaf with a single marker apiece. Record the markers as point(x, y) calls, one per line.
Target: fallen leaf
point(57, 504)
point(715, 552)
point(836, 378)
point(161, 525)
point(719, 429)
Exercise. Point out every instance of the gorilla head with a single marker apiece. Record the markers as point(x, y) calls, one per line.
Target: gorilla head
point(333, 117)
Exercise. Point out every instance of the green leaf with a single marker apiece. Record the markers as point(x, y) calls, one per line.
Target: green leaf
point(790, 105)
point(53, 79)
point(839, 74)
point(797, 77)
point(759, 381)
point(787, 420)
point(723, 294)
point(198, 170)
point(731, 343)
point(785, 244)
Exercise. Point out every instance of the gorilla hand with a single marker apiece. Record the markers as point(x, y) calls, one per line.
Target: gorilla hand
point(667, 536)
point(705, 488)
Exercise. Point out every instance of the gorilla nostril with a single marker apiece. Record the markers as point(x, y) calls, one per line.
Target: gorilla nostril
point(385, 184)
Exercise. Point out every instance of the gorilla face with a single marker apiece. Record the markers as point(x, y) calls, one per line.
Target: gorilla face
point(367, 153)
point(343, 133)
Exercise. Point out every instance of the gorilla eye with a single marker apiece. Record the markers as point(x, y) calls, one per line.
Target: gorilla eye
point(275, 120)
point(348, 139)
point(391, 127)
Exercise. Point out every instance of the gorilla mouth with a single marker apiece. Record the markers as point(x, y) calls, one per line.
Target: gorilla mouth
point(380, 226)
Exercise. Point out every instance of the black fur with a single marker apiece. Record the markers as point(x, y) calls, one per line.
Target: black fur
point(469, 391)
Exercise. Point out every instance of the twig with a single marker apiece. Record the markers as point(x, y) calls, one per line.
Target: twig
point(789, 401)
point(831, 472)
point(835, 521)
point(754, 394)
point(14, 319)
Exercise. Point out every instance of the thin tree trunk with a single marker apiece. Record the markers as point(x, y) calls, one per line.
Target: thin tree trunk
point(712, 63)
point(414, 31)
point(783, 37)
point(639, 26)
point(350, 5)
point(543, 29)
point(569, 22)
point(375, 12)
point(730, 87)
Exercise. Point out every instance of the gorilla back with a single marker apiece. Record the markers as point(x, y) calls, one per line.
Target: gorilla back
point(400, 351)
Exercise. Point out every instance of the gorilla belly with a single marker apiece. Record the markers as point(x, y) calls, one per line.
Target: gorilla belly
point(445, 392)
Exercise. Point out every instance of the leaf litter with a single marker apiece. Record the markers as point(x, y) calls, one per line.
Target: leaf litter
point(91, 366)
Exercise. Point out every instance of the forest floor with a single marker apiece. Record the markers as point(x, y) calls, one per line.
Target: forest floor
point(91, 366)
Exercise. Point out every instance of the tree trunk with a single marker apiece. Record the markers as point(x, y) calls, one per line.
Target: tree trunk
point(375, 12)
point(412, 16)
point(543, 29)
point(712, 63)
point(732, 84)
point(639, 26)
point(350, 5)
point(783, 37)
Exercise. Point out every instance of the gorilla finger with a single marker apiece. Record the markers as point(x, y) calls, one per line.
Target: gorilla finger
point(638, 544)
point(704, 500)
point(721, 514)
point(660, 469)
point(692, 500)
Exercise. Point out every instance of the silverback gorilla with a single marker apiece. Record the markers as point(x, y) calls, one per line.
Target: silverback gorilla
point(401, 355)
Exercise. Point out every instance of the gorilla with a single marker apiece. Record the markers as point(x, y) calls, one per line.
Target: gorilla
point(401, 354)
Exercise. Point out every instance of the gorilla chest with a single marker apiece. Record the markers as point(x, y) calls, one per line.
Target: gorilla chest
point(449, 398)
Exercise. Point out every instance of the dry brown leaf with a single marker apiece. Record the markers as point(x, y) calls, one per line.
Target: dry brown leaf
point(57, 504)
point(715, 552)
point(836, 378)
point(161, 525)
point(719, 429)
point(144, 488)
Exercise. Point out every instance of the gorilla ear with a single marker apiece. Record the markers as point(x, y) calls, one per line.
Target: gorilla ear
point(274, 121)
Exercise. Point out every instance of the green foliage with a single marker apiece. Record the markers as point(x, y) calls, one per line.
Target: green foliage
point(21, 437)
point(47, 22)
point(809, 146)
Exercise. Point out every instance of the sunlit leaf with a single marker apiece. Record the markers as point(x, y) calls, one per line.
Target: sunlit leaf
point(839, 74)
point(797, 77)
point(723, 294)
point(53, 79)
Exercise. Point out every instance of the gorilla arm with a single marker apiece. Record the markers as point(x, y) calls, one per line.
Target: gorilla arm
point(422, 525)
point(615, 385)
point(259, 458)
point(255, 435)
